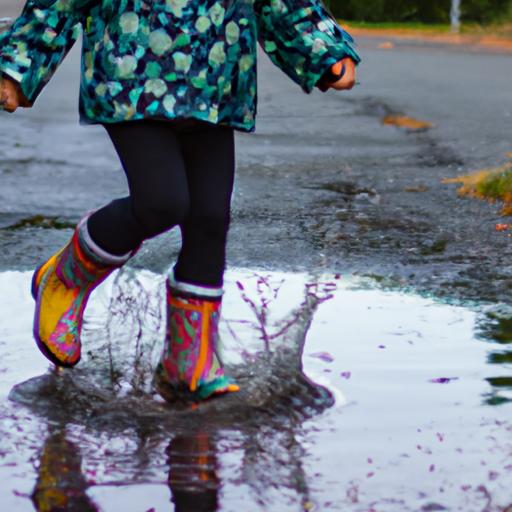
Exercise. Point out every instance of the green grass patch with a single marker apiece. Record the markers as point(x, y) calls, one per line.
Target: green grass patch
point(503, 29)
point(40, 221)
point(392, 25)
point(490, 184)
point(497, 187)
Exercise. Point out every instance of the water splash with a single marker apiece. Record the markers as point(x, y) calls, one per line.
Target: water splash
point(123, 335)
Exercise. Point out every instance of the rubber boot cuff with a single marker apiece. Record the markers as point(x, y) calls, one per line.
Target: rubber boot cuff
point(194, 290)
point(94, 251)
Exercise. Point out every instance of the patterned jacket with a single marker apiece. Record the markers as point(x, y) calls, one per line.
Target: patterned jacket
point(172, 58)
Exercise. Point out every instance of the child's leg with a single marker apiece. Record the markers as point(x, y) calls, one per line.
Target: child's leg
point(209, 156)
point(190, 357)
point(152, 160)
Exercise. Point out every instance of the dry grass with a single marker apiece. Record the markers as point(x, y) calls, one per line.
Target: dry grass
point(406, 122)
point(503, 30)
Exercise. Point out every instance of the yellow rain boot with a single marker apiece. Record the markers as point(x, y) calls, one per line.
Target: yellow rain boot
point(61, 287)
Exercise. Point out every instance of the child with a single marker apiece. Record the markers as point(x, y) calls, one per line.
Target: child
point(170, 80)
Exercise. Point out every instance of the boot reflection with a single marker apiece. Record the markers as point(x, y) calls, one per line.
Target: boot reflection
point(61, 486)
point(193, 473)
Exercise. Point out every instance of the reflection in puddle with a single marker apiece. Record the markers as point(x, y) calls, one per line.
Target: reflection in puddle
point(496, 327)
point(370, 400)
point(193, 478)
point(60, 483)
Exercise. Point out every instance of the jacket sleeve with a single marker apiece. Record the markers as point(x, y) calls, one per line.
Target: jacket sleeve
point(302, 38)
point(37, 42)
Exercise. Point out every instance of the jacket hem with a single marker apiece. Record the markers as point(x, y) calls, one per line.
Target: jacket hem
point(247, 128)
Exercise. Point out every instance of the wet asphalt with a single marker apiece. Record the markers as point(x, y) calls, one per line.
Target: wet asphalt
point(322, 184)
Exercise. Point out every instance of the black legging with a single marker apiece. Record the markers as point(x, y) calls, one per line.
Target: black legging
point(179, 173)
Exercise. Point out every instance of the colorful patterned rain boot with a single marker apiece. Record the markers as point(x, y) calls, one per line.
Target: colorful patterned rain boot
point(61, 287)
point(190, 367)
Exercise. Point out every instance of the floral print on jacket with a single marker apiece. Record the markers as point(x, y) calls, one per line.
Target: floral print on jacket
point(172, 58)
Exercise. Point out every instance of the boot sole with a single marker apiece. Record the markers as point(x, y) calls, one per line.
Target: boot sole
point(180, 392)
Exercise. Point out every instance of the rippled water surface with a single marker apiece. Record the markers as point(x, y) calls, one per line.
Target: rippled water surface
point(401, 403)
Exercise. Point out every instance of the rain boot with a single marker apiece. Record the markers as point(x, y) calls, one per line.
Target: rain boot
point(190, 366)
point(61, 287)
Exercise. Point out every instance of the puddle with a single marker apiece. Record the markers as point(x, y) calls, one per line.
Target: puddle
point(390, 410)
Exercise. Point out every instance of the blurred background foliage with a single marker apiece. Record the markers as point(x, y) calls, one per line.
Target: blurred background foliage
point(424, 11)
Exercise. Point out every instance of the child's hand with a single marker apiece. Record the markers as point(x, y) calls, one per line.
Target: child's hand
point(340, 76)
point(11, 96)
point(348, 80)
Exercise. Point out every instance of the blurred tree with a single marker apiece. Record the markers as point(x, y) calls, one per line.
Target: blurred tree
point(485, 11)
point(427, 11)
